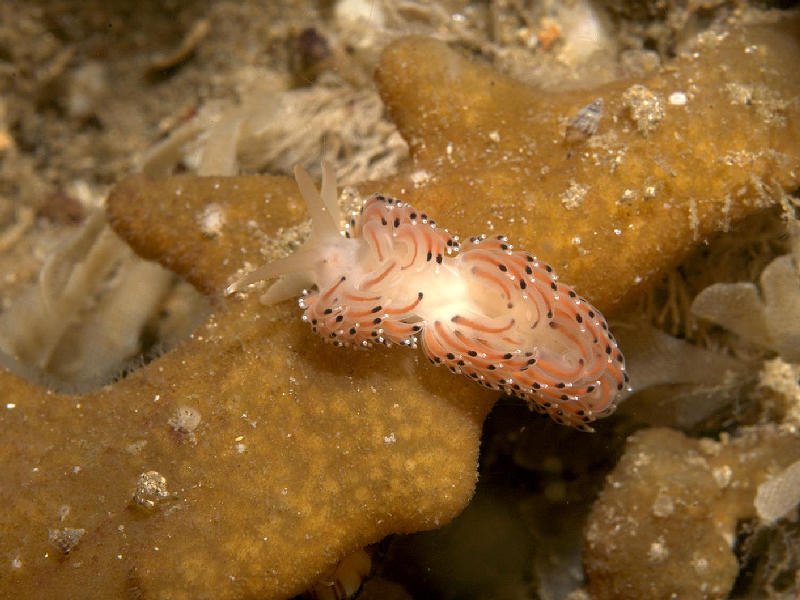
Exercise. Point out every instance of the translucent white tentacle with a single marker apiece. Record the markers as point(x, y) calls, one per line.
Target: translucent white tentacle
point(325, 217)
point(328, 194)
point(298, 262)
point(324, 220)
point(289, 286)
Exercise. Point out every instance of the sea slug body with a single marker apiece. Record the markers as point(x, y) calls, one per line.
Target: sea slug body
point(497, 315)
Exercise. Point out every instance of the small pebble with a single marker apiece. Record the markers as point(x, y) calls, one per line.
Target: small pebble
point(677, 99)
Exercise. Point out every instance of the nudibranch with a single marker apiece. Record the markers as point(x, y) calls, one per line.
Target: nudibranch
point(497, 315)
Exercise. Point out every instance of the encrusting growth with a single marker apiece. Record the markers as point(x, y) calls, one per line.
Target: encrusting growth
point(496, 315)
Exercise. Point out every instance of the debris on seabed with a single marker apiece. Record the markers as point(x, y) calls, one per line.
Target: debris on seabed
point(151, 488)
point(584, 125)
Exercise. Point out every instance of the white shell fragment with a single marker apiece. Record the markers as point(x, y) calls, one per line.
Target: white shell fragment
point(584, 125)
point(779, 494)
point(677, 99)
